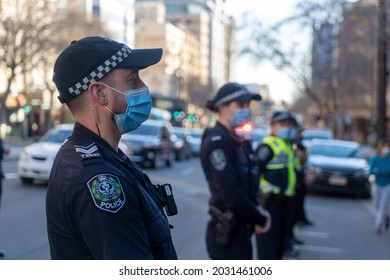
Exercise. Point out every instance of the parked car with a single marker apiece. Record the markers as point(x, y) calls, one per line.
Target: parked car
point(150, 145)
point(310, 134)
point(36, 160)
point(195, 139)
point(338, 166)
point(181, 144)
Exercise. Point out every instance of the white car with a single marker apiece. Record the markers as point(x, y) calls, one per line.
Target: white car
point(36, 160)
point(195, 139)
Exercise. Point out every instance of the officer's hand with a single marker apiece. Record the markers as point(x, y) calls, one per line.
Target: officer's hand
point(263, 229)
point(309, 179)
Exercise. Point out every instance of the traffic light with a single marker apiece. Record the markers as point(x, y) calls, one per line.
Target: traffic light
point(26, 108)
point(192, 118)
point(176, 114)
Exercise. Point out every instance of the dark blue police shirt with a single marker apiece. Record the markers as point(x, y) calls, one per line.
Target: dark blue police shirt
point(100, 205)
point(229, 171)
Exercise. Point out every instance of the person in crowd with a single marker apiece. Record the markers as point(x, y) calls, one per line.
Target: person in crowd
point(297, 213)
point(231, 175)
point(275, 161)
point(99, 204)
point(301, 188)
point(379, 166)
point(3, 151)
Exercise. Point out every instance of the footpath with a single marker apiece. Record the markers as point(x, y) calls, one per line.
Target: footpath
point(16, 146)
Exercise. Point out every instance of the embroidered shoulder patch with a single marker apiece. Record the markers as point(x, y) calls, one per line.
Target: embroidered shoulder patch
point(218, 159)
point(264, 153)
point(107, 192)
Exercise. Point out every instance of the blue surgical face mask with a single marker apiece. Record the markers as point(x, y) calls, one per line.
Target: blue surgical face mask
point(284, 133)
point(139, 104)
point(386, 151)
point(293, 134)
point(241, 116)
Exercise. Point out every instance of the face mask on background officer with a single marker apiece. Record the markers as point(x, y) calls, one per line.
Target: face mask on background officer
point(284, 130)
point(234, 114)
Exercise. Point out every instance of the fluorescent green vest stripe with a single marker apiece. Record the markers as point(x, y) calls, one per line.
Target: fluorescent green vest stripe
point(297, 163)
point(283, 158)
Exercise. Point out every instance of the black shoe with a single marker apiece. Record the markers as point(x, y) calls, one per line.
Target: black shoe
point(1, 254)
point(297, 241)
point(294, 253)
point(306, 223)
point(387, 222)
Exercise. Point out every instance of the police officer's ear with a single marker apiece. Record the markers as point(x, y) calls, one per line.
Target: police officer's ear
point(97, 94)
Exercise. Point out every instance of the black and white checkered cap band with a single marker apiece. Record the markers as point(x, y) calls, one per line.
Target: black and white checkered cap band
point(231, 96)
point(99, 72)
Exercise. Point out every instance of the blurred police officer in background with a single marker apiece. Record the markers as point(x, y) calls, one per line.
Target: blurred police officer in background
point(231, 175)
point(301, 189)
point(3, 151)
point(99, 204)
point(296, 212)
point(275, 160)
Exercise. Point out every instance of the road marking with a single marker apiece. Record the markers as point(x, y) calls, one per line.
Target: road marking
point(188, 171)
point(317, 234)
point(11, 175)
point(318, 208)
point(321, 249)
point(370, 207)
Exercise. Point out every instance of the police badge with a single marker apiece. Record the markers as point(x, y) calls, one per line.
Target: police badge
point(107, 192)
point(218, 159)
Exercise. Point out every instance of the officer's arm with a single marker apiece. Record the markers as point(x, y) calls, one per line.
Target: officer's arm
point(264, 154)
point(227, 179)
point(113, 235)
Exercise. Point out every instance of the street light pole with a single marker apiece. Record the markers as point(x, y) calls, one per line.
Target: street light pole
point(382, 71)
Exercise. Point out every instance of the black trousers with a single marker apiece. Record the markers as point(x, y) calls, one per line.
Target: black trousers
point(301, 192)
point(271, 245)
point(239, 249)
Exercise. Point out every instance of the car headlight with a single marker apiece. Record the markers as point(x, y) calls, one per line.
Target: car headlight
point(151, 144)
point(24, 156)
point(361, 173)
point(179, 144)
point(314, 170)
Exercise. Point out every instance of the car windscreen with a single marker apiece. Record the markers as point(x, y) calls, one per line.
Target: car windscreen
point(145, 129)
point(336, 151)
point(257, 136)
point(56, 136)
point(316, 135)
point(196, 133)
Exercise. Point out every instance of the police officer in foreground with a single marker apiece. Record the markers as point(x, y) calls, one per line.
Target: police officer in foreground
point(99, 204)
point(275, 160)
point(231, 175)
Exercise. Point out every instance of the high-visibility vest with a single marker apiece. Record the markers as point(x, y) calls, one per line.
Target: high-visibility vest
point(282, 160)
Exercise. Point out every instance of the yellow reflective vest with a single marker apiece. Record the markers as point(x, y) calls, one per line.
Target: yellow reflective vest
point(274, 180)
